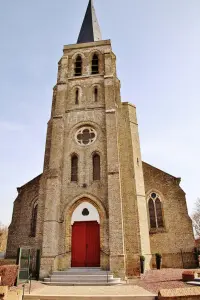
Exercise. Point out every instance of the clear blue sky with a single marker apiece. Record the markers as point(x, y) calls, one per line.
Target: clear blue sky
point(157, 44)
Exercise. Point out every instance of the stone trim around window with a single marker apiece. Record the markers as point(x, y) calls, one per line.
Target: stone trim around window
point(85, 136)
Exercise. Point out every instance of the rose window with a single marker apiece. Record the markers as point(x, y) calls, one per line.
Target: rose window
point(86, 136)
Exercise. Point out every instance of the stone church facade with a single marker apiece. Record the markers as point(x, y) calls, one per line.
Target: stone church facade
point(93, 158)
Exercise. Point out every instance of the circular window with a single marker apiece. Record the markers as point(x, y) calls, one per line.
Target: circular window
point(85, 212)
point(86, 136)
point(153, 195)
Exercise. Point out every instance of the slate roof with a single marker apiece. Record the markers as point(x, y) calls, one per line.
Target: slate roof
point(90, 30)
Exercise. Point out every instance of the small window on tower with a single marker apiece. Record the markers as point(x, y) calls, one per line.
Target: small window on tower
point(95, 64)
point(85, 212)
point(96, 167)
point(74, 168)
point(78, 66)
point(95, 94)
point(77, 96)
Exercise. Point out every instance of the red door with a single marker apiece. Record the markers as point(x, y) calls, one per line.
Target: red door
point(86, 244)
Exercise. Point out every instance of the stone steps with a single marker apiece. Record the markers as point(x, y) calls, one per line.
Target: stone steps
point(81, 276)
point(71, 283)
point(82, 271)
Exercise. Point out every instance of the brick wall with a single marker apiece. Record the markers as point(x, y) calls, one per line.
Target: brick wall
point(177, 234)
point(20, 227)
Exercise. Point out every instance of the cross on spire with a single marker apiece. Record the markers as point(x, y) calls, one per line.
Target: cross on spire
point(90, 30)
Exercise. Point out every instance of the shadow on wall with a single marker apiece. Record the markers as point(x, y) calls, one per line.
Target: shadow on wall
point(2, 255)
point(182, 260)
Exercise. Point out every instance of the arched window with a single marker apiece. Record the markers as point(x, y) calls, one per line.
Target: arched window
point(152, 215)
point(155, 211)
point(159, 213)
point(77, 96)
point(78, 66)
point(95, 64)
point(95, 94)
point(96, 167)
point(74, 168)
point(34, 220)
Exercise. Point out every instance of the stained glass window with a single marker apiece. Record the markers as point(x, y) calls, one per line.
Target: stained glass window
point(152, 214)
point(159, 213)
point(155, 211)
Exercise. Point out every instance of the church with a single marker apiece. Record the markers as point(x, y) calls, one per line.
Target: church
point(97, 204)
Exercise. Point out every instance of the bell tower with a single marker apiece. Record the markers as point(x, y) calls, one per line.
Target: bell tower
point(92, 154)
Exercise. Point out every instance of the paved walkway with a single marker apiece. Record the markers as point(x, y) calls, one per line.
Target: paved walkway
point(118, 290)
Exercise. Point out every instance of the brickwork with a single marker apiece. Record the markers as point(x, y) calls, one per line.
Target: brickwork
point(20, 227)
point(119, 195)
point(134, 204)
point(4, 262)
point(177, 234)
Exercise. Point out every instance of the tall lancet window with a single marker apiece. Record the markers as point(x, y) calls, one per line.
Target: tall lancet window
point(96, 167)
point(77, 96)
point(95, 94)
point(95, 64)
point(34, 220)
point(155, 211)
point(74, 168)
point(152, 215)
point(78, 66)
point(159, 215)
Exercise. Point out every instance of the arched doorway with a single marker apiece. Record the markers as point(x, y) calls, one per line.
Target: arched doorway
point(85, 236)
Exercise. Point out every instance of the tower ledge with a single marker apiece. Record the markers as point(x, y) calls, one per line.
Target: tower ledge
point(87, 45)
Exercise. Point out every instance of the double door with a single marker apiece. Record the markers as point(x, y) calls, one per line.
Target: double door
point(86, 244)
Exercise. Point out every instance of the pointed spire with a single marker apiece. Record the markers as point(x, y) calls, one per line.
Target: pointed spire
point(90, 30)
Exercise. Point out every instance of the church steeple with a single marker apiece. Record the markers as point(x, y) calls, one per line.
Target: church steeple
point(90, 30)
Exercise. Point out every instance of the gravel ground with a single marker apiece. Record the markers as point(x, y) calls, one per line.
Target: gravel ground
point(154, 280)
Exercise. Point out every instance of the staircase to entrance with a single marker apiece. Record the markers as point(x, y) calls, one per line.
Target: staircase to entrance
point(82, 276)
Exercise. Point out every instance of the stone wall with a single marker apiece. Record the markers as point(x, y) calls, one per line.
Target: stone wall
point(20, 227)
point(4, 262)
point(136, 233)
point(58, 194)
point(177, 234)
point(180, 260)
